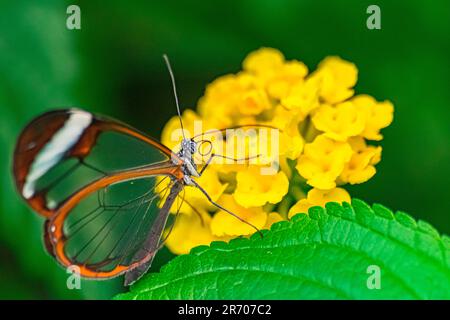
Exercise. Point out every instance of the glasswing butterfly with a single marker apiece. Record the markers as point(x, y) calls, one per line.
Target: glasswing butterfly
point(94, 179)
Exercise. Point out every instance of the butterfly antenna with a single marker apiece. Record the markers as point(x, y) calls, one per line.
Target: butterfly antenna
point(166, 59)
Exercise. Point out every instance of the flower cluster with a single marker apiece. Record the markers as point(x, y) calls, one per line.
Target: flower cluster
point(325, 141)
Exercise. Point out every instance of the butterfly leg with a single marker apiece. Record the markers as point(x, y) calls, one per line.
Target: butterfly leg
point(197, 212)
point(224, 209)
point(183, 200)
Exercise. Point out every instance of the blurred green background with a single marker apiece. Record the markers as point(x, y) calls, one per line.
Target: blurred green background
point(113, 65)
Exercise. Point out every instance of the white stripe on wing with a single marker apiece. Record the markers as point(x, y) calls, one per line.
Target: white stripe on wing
point(64, 139)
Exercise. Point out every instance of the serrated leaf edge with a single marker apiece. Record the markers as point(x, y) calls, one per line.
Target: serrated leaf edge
point(316, 212)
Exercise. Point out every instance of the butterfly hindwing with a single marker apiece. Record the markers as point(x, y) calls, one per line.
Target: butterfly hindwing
point(111, 227)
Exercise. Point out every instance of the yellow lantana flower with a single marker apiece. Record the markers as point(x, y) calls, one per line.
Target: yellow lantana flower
point(277, 75)
point(253, 102)
point(263, 61)
point(339, 122)
point(323, 161)
point(292, 73)
point(361, 168)
point(255, 189)
point(291, 141)
point(337, 78)
point(378, 115)
point(303, 97)
point(318, 197)
point(191, 231)
point(221, 101)
point(242, 146)
point(321, 139)
point(224, 224)
point(291, 146)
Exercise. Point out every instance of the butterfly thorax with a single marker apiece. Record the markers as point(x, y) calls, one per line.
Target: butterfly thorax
point(186, 154)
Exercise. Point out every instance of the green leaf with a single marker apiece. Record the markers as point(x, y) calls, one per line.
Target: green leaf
point(323, 255)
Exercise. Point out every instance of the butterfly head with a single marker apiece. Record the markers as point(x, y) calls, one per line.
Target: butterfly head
point(186, 153)
point(188, 148)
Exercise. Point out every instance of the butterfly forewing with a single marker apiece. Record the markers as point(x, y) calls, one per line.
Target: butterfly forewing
point(63, 151)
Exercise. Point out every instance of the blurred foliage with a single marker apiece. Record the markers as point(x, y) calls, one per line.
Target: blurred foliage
point(114, 66)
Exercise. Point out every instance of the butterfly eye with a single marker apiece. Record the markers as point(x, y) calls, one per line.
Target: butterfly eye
point(193, 146)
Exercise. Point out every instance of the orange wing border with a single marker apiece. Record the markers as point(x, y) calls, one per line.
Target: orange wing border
point(55, 239)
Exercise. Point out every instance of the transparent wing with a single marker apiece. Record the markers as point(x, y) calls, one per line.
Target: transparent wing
point(113, 228)
point(63, 151)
